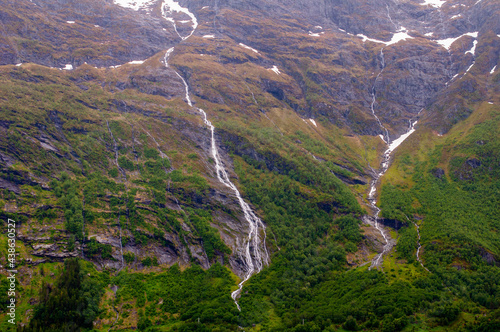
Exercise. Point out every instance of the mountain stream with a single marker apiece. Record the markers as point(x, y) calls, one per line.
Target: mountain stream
point(253, 252)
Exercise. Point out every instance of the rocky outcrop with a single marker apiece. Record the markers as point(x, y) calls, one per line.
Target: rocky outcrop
point(100, 33)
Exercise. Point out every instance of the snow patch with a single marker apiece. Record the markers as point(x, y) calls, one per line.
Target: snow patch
point(68, 67)
point(382, 138)
point(434, 3)
point(96, 26)
point(275, 69)
point(429, 34)
point(136, 62)
point(318, 27)
point(446, 43)
point(170, 6)
point(205, 7)
point(397, 142)
point(209, 36)
point(114, 67)
point(473, 63)
point(313, 122)
point(249, 48)
point(493, 70)
point(312, 34)
point(397, 37)
point(473, 49)
point(490, 103)
point(134, 4)
point(455, 16)
point(70, 22)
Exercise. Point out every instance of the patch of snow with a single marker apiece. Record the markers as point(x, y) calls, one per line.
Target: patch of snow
point(397, 142)
point(491, 71)
point(342, 30)
point(184, 21)
point(490, 103)
point(204, 7)
point(275, 69)
point(429, 34)
point(19, 64)
point(318, 27)
point(249, 48)
point(134, 4)
point(473, 49)
point(446, 43)
point(68, 67)
point(96, 26)
point(365, 38)
point(114, 67)
point(397, 37)
point(209, 36)
point(469, 67)
point(70, 22)
point(478, 1)
point(434, 3)
point(382, 138)
point(170, 6)
point(313, 122)
point(455, 16)
point(312, 34)
point(136, 62)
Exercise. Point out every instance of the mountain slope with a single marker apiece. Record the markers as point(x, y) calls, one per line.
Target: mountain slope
point(110, 157)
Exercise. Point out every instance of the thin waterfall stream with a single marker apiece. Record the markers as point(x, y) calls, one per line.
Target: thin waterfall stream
point(254, 252)
point(386, 157)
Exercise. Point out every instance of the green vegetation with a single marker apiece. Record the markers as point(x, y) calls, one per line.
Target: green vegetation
point(71, 303)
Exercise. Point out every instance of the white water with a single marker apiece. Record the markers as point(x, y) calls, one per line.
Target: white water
point(382, 60)
point(254, 251)
point(391, 147)
point(418, 243)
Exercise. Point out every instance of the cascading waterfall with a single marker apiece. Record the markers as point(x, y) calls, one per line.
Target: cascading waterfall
point(374, 98)
point(254, 251)
point(386, 157)
point(418, 243)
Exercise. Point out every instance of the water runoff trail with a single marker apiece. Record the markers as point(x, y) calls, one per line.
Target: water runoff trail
point(377, 174)
point(253, 252)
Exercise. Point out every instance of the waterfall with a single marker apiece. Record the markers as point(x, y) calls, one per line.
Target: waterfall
point(386, 157)
point(254, 252)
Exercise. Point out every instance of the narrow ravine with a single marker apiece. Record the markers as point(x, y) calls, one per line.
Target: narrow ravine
point(419, 245)
point(124, 175)
point(377, 174)
point(253, 252)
